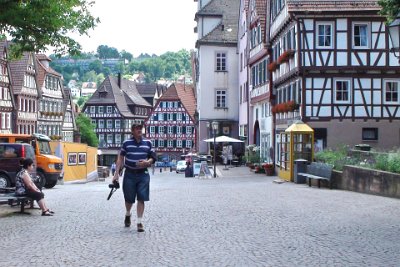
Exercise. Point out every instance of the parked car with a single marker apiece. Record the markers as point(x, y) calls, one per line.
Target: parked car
point(11, 155)
point(180, 166)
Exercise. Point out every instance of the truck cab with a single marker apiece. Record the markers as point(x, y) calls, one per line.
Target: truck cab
point(49, 167)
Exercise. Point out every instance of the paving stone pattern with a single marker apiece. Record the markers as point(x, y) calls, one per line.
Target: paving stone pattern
point(239, 219)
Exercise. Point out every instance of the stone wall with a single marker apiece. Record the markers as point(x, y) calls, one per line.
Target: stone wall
point(367, 181)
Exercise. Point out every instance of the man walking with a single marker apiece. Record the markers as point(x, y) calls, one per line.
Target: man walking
point(136, 156)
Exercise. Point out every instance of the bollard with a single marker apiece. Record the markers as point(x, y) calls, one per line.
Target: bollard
point(170, 169)
point(160, 170)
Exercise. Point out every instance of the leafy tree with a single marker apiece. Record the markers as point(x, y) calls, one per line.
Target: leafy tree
point(96, 66)
point(82, 100)
point(104, 51)
point(86, 128)
point(90, 76)
point(126, 55)
point(34, 25)
point(390, 9)
point(100, 78)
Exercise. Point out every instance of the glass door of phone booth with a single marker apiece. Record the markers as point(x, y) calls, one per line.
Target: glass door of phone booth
point(297, 142)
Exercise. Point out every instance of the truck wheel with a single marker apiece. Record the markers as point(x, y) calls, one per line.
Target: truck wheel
point(42, 179)
point(50, 184)
point(4, 181)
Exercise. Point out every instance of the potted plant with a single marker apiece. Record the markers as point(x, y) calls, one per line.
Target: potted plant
point(268, 168)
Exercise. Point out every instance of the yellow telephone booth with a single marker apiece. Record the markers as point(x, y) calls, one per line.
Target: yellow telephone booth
point(297, 142)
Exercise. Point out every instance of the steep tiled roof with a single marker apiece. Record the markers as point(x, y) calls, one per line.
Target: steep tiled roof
point(329, 5)
point(147, 88)
point(17, 72)
point(183, 93)
point(42, 70)
point(186, 95)
point(113, 94)
point(261, 11)
point(226, 31)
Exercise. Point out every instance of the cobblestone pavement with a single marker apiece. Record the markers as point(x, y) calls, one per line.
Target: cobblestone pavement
point(238, 219)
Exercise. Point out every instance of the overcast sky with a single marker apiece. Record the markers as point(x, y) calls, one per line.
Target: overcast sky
point(149, 26)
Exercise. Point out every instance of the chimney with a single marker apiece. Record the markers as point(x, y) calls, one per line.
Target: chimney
point(119, 80)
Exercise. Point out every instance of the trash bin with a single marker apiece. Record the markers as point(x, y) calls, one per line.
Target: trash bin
point(300, 165)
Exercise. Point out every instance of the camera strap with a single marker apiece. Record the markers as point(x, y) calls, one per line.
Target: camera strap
point(111, 192)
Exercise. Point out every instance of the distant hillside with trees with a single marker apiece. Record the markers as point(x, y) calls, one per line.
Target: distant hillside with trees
point(94, 67)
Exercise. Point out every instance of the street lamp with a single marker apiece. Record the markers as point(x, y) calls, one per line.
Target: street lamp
point(394, 33)
point(214, 126)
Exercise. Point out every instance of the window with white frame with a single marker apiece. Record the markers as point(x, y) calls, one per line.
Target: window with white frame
point(117, 124)
point(170, 116)
point(94, 123)
point(220, 98)
point(118, 138)
point(170, 104)
point(101, 124)
point(160, 143)
point(175, 104)
point(161, 129)
point(170, 129)
point(109, 124)
point(101, 109)
point(101, 137)
point(170, 143)
point(188, 143)
point(220, 61)
point(324, 35)
point(360, 35)
point(188, 129)
point(152, 129)
point(179, 129)
point(391, 92)
point(178, 143)
point(109, 109)
point(153, 142)
point(178, 116)
point(369, 134)
point(160, 116)
point(92, 109)
point(342, 91)
point(109, 138)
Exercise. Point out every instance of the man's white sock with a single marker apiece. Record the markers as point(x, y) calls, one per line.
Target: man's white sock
point(139, 220)
point(128, 213)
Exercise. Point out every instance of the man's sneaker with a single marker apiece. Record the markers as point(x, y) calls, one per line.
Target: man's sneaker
point(127, 221)
point(140, 227)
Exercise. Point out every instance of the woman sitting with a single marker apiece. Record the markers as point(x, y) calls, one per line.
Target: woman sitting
point(24, 185)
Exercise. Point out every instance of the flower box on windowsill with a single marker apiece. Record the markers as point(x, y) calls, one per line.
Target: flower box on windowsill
point(273, 66)
point(285, 56)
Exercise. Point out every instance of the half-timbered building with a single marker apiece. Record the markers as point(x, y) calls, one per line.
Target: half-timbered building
point(68, 129)
point(259, 87)
point(113, 107)
point(25, 91)
point(51, 115)
point(334, 71)
point(171, 126)
point(6, 98)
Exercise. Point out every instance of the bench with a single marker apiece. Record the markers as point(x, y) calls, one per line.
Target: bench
point(318, 171)
point(8, 196)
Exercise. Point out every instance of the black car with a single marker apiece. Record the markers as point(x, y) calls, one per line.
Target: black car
point(11, 155)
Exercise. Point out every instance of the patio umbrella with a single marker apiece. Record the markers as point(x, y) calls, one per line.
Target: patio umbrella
point(223, 139)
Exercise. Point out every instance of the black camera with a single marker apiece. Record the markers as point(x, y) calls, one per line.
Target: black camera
point(115, 185)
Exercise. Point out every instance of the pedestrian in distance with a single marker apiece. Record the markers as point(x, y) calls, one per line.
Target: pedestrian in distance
point(136, 155)
point(113, 167)
point(24, 186)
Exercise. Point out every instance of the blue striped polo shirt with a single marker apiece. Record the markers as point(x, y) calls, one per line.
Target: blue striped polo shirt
point(134, 151)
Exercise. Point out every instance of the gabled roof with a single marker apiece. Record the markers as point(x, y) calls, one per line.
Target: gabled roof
point(260, 11)
point(42, 70)
point(121, 97)
point(67, 99)
point(17, 72)
point(329, 5)
point(225, 33)
point(183, 93)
